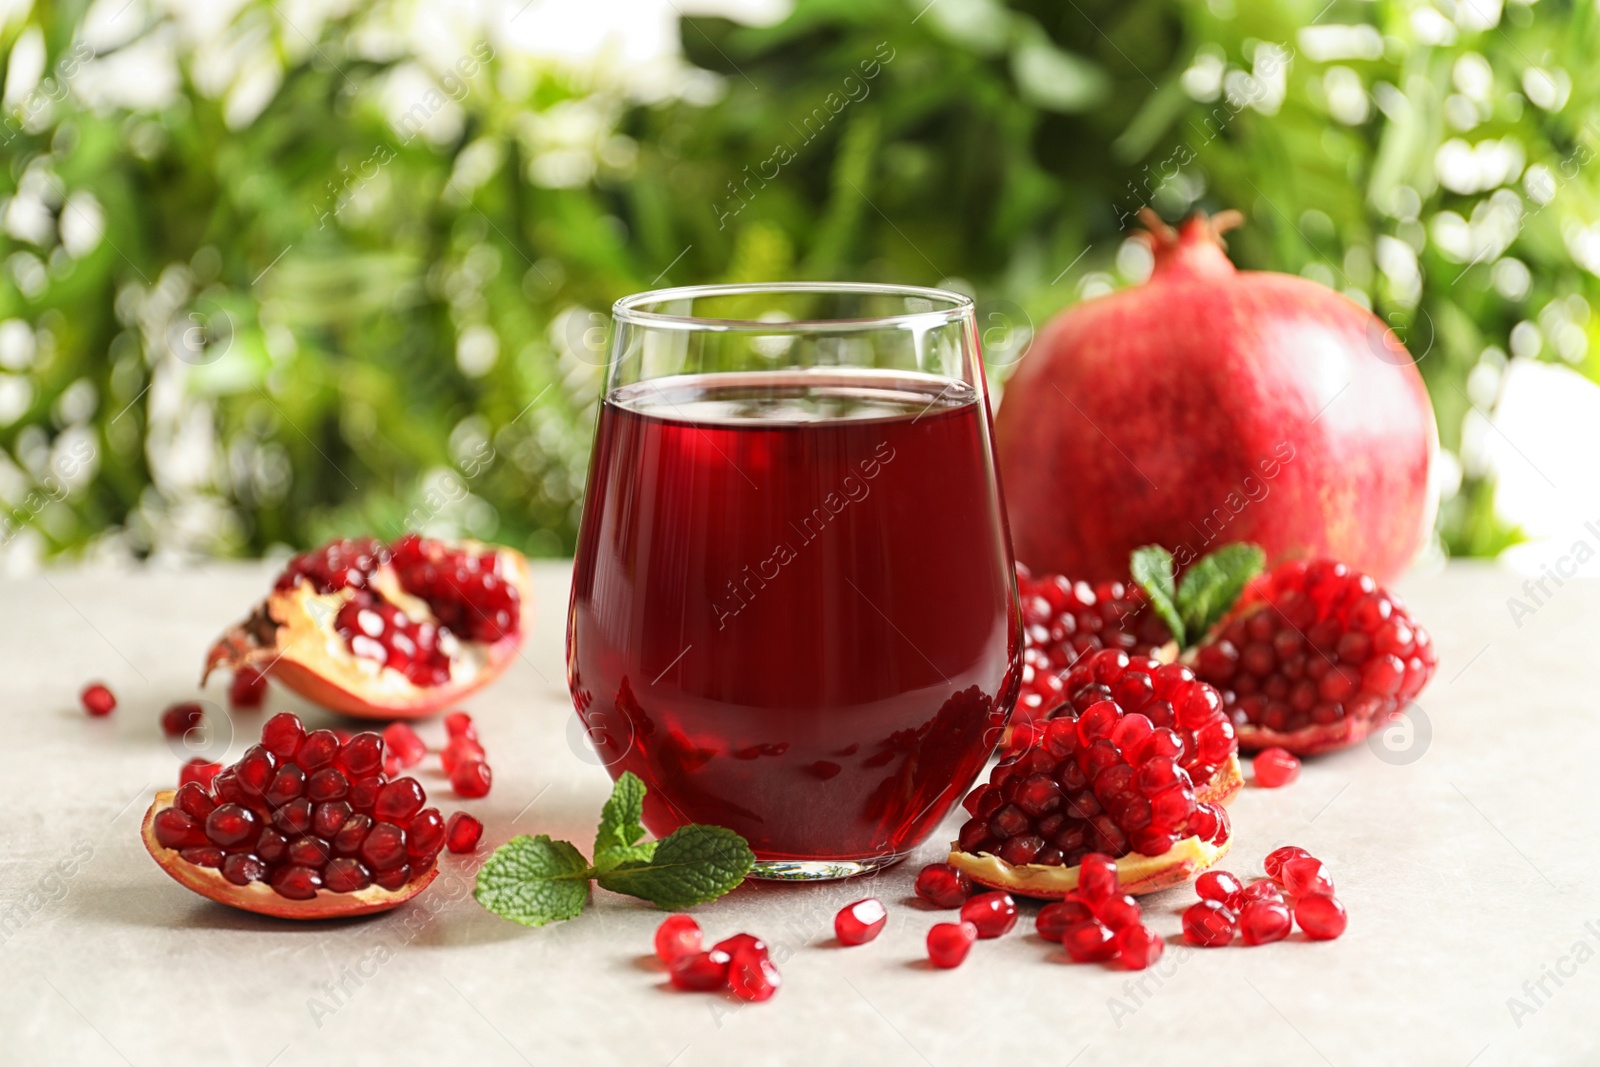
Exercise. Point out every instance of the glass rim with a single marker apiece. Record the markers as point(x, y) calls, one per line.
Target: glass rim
point(629, 308)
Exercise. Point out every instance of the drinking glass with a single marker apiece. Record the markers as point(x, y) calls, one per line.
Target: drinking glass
point(794, 612)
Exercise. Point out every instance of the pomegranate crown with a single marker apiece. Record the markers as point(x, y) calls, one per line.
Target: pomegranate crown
point(1195, 248)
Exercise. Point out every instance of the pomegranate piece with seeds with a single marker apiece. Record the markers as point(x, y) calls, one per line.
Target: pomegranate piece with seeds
point(462, 832)
point(97, 699)
point(949, 943)
point(1134, 768)
point(386, 631)
point(1275, 767)
point(858, 923)
point(677, 936)
point(283, 832)
point(1314, 657)
point(943, 886)
point(1064, 621)
point(1321, 917)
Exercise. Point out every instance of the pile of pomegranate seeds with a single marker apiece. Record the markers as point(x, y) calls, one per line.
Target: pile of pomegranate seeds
point(465, 590)
point(97, 699)
point(1275, 767)
point(1259, 912)
point(858, 923)
point(304, 811)
point(739, 964)
point(248, 688)
point(1314, 644)
point(1063, 621)
point(463, 758)
point(1115, 774)
point(1098, 922)
point(943, 886)
point(179, 719)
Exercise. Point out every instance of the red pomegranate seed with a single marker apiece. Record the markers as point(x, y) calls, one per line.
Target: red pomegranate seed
point(1265, 889)
point(676, 937)
point(296, 883)
point(97, 699)
point(205, 856)
point(242, 868)
point(398, 801)
point(462, 832)
point(179, 719)
point(404, 743)
point(282, 735)
point(348, 838)
point(1278, 857)
point(1138, 946)
point(362, 755)
point(1306, 876)
point(393, 878)
point(191, 799)
point(330, 817)
point(1089, 942)
point(230, 825)
point(1119, 912)
point(1220, 886)
point(943, 886)
point(1053, 919)
point(753, 976)
point(1275, 767)
point(198, 771)
point(248, 688)
point(471, 779)
point(740, 942)
point(174, 829)
point(1209, 924)
point(425, 834)
point(1097, 878)
point(459, 751)
point(383, 850)
point(858, 923)
point(309, 851)
point(327, 784)
point(345, 875)
point(1321, 917)
point(459, 724)
point(992, 914)
point(317, 750)
point(1262, 921)
point(700, 971)
point(949, 943)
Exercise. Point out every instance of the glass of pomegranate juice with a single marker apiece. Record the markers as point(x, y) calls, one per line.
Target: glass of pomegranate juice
point(793, 610)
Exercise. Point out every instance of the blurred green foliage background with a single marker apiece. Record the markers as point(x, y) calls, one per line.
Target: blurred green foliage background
point(266, 280)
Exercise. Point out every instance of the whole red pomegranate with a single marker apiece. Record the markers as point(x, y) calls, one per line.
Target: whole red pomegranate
point(1212, 405)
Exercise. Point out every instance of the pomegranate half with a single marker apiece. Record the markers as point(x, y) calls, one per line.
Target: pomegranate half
point(386, 631)
point(1212, 405)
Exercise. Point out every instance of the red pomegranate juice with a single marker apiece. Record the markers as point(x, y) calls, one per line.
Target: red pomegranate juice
point(793, 610)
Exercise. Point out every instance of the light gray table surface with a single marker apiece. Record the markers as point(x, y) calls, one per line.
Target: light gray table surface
point(1468, 862)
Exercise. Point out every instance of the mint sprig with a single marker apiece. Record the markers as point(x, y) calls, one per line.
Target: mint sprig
point(535, 880)
point(1192, 606)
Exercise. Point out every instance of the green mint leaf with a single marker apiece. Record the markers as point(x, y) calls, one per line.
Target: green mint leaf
point(693, 865)
point(534, 880)
point(617, 839)
point(1210, 587)
point(1152, 568)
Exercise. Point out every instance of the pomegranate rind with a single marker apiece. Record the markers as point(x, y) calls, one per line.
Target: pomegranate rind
point(258, 897)
point(1136, 874)
point(291, 638)
point(1224, 785)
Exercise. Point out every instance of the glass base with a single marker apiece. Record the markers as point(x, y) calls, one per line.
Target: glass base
point(818, 870)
